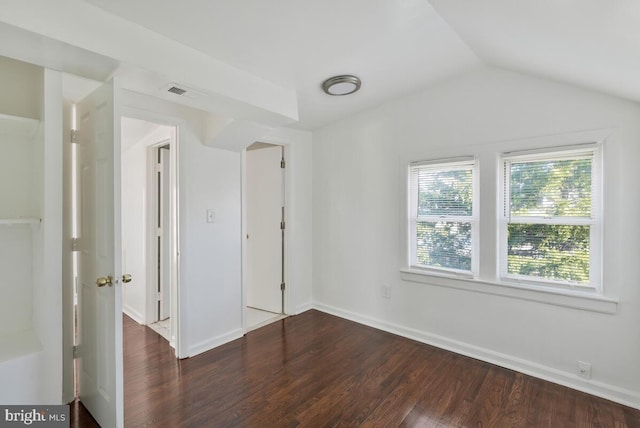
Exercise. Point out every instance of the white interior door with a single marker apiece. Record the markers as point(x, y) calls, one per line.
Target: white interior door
point(165, 225)
point(99, 367)
point(264, 215)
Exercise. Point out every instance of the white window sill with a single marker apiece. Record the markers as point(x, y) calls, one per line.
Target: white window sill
point(567, 298)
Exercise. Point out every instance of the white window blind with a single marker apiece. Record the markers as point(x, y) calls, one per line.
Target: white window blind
point(551, 220)
point(443, 220)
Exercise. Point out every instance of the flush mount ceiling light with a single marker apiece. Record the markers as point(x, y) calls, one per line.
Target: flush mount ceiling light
point(341, 85)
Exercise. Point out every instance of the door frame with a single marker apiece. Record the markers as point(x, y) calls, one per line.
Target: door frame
point(289, 287)
point(174, 158)
point(150, 222)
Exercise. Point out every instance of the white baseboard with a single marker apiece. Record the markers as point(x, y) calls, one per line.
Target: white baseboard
point(207, 345)
point(303, 308)
point(593, 387)
point(132, 313)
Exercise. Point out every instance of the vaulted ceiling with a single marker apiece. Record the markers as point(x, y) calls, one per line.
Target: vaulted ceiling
point(400, 46)
point(591, 43)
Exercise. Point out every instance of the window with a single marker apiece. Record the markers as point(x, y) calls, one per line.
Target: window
point(550, 224)
point(443, 216)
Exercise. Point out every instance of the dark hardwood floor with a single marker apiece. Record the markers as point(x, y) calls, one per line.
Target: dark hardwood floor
point(316, 370)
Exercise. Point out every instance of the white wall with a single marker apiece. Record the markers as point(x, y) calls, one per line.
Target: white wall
point(210, 253)
point(359, 226)
point(21, 88)
point(135, 210)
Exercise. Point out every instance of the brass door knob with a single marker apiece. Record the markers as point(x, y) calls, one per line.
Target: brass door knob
point(126, 278)
point(105, 280)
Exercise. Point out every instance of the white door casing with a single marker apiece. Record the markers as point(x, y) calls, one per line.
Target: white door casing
point(265, 202)
point(100, 376)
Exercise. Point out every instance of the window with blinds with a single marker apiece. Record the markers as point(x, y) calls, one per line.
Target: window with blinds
point(551, 222)
point(442, 219)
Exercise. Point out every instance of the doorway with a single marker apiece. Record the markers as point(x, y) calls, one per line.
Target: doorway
point(265, 235)
point(149, 224)
point(160, 247)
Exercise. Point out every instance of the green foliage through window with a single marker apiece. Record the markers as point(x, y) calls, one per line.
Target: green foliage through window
point(444, 244)
point(558, 190)
point(442, 204)
point(445, 193)
point(557, 252)
point(554, 188)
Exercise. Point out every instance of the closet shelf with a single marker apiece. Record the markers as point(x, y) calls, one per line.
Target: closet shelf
point(16, 125)
point(19, 344)
point(19, 220)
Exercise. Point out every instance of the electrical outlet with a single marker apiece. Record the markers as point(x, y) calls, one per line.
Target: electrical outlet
point(211, 216)
point(584, 370)
point(386, 291)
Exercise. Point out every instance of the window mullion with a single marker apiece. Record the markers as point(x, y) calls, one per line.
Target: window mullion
point(578, 221)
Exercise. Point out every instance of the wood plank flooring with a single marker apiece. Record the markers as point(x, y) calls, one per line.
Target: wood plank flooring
point(316, 370)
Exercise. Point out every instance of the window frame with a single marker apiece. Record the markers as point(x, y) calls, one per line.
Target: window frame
point(465, 162)
point(594, 221)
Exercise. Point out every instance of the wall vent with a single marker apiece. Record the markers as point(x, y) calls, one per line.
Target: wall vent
point(182, 90)
point(176, 90)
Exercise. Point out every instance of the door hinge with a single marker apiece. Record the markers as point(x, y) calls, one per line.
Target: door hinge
point(75, 244)
point(74, 136)
point(282, 286)
point(159, 296)
point(76, 352)
point(283, 163)
point(282, 225)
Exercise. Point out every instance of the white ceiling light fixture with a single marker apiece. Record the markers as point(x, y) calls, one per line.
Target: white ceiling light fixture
point(341, 85)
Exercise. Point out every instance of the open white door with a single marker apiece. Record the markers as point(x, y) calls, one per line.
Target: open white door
point(265, 202)
point(100, 376)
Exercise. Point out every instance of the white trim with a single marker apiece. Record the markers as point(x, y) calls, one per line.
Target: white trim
point(303, 308)
point(209, 344)
point(552, 296)
point(133, 314)
point(570, 380)
point(570, 151)
point(445, 164)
